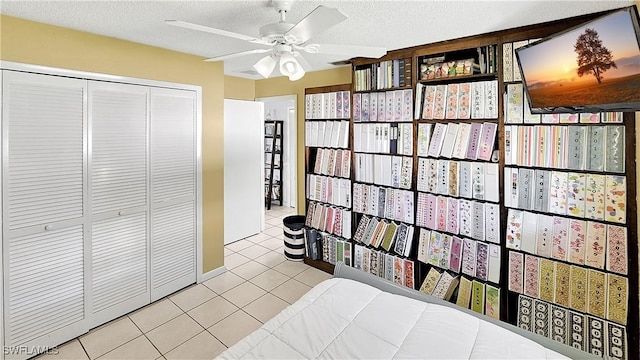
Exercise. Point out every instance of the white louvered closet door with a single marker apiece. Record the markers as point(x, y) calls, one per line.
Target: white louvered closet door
point(44, 202)
point(118, 168)
point(173, 190)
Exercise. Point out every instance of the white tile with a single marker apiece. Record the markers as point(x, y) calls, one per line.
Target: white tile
point(265, 307)
point(238, 245)
point(155, 314)
point(243, 294)
point(270, 259)
point(234, 260)
point(108, 337)
point(291, 290)
point(269, 279)
point(138, 348)
point(235, 327)
point(223, 282)
point(249, 269)
point(272, 243)
point(228, 252)
point(212, 311)
point(173, 333)
point(312, 276)
point(201, 346)
point(258, 238)
point(192, 296)
point(291, 268)
point(71, 350)
point(275, 231)
point(275, 221)
point(254, 251)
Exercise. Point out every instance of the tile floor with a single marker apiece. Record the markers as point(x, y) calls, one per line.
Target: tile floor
point(201, 321)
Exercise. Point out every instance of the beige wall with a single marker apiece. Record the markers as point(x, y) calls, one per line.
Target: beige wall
point(282, 86)
point(35, 43)
point(239, 89)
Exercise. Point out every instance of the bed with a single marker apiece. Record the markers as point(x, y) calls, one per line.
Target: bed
point(356, 315)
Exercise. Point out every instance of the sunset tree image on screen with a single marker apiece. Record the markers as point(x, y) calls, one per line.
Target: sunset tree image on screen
point(593, 57)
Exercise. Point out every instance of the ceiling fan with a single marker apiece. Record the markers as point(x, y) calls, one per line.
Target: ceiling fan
point(287, 41)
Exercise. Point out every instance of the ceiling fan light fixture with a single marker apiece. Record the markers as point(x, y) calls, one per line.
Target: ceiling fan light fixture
point(289, 66)
point(265, 66)
point(297, 75)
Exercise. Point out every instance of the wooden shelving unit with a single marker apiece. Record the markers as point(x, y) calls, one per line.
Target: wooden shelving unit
point(510, 298)
point(273, 139)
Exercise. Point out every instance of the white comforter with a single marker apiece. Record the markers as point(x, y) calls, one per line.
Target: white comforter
point(345, 319)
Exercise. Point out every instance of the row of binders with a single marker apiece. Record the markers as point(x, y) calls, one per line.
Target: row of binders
point(475, 100)
point(332, 105)
point(326, 247)
point(334, 134)
point(473, 141)
point(396, 138)
point(460, 255)
point(573, 328)
point(466, 179)
point(388, 203)
point(330, 219)
point(385, 170)
point(329, 190)
point(382, 75)
point(576, 241)
point(388, 266)
point(477, 220)
point(389, 106)
point(577, 147)
point(333, 162)
point(591, 196)
point(384, 234)
point(517, 111)
point(578, 288)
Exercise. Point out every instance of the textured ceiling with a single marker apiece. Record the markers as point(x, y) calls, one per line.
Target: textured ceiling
point(390, 24)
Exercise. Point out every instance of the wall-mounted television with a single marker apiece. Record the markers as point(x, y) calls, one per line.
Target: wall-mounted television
point(593, 67)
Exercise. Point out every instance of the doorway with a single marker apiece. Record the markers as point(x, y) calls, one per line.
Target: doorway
point(285, 108)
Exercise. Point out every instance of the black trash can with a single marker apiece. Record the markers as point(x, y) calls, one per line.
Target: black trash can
point(293, 227)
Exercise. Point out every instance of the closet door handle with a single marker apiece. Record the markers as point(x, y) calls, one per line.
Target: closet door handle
point(121, 212)
point(48, 227)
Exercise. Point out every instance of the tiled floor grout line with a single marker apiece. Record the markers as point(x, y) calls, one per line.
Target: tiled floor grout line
point(145, 333)
point(214, 336)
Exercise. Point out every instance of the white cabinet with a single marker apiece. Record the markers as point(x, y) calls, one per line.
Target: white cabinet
point(99, 202)
point(44, 209)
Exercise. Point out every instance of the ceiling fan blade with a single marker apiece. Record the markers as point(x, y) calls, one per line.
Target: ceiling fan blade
point(315, 22)
point(238, 54)
point(302, 61)
point(192, 26)
point(348, 50)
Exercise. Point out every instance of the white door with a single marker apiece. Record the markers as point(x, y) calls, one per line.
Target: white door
point(243, 169)
point(44, 211)
point(118, 185)
point(173, 190)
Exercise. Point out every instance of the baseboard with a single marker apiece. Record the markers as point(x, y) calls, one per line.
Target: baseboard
point(213, 273)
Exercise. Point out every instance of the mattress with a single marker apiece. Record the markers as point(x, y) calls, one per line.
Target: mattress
point(342, 318)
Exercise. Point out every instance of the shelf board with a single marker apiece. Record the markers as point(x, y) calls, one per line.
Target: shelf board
point(320, 265)
point(461, 78)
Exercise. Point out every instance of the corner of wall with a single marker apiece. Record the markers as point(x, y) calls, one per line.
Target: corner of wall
point(239, 88)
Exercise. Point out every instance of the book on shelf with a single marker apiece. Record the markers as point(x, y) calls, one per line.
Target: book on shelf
point(430, 281)
point(446, 285)
point(492, 302)
point(478, 296)
point(464, 292)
